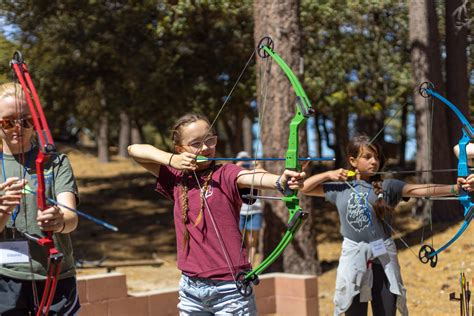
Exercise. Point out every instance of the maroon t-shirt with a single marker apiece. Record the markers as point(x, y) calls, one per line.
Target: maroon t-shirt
point(204, 255)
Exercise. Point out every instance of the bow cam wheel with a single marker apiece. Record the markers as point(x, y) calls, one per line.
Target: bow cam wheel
point(264, 42)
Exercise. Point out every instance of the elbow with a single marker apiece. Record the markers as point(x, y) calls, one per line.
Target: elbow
point(75, 223)
point(130, 150)
point(304, 189)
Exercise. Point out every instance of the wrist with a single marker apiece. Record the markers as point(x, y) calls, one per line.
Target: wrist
point(285, 190)
point(455, 189)
point(169, 161)
point(62, 228)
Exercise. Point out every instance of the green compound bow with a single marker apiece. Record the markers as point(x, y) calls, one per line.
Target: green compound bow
point(296, 214)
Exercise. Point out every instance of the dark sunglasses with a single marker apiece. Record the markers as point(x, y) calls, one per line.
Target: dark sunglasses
point(11, 123)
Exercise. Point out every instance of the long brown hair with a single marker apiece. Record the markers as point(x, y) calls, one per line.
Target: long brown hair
point(355, 148)
point(177, 137)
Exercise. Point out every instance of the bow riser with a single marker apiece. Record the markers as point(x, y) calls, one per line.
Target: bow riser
point(46, 149)
point(296, 214)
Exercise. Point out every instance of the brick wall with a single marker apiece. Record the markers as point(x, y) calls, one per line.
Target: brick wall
point(277, 294)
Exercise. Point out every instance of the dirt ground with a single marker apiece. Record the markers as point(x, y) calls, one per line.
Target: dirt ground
point(122, 193)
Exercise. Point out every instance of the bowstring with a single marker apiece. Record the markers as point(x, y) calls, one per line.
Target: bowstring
point(429, 130)
point(261, 111)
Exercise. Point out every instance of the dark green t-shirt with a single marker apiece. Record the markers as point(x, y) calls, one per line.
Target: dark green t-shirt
point(59, 178)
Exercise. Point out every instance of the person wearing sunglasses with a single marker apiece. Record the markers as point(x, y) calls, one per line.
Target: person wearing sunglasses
point(22, 275)
point(207, 199)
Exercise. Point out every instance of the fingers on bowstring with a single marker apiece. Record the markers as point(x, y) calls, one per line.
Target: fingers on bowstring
point(10, 182)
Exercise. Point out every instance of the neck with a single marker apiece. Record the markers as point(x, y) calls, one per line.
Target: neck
point(16, 149)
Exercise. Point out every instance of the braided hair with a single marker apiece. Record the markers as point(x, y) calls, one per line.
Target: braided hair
point(176, 137)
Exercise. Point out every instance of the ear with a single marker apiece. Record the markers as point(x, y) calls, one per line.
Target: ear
point(178, 149)
point(353, 162)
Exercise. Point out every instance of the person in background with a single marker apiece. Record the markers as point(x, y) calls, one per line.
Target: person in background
point(22, 276)
point(251, 216)
point(368, 267)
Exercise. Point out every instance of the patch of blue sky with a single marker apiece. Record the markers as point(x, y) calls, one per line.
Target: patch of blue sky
point(7, 29)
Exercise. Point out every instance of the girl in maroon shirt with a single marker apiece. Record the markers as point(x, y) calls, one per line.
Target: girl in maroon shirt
point(207, 201)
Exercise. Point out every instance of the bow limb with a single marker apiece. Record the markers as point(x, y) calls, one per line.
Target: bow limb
point(296, 214)
point(46, 149)
point(428, 253)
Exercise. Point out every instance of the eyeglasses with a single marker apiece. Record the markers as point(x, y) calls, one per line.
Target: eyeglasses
point(11, 123)
point(209, 142)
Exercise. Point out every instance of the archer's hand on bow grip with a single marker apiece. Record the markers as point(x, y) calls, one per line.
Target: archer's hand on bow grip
point(51, 219)
point(467, 184)
point(292, 179)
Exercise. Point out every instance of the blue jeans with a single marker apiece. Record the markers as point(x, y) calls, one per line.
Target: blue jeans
point(251, 222)
point(208, 297)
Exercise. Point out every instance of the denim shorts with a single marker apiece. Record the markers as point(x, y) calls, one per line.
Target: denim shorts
point(251, 222)
point(208, 297)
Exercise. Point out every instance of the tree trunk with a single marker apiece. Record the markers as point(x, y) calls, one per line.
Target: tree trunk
point(103, 139)
point(457, 83)
point(124, 136)
point(341, 136)
point(319, 136)
point(280, 20)
point(247, 135)
point(135, 135)
point(426, 66)
point(403, 136)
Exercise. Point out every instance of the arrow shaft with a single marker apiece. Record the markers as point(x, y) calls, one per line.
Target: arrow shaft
point(261, 159)
point(81, 213)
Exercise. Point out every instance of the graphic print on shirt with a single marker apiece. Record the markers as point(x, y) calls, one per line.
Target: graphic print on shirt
point(208, 191)
point(30, 188)
point(357, 213)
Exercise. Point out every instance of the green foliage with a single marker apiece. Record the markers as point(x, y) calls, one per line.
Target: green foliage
point(356, 55)
point(6, 52)
point(153, 60)
point(159, 60)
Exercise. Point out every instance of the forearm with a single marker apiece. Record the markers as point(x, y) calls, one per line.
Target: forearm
point(71, 219)
point(4, 220)
point(257, 179)
point(429, 190)
point(144, 153)
point(313, 185)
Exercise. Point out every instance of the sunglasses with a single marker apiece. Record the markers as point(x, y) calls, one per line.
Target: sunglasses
point(11, 123)
point(209, 142)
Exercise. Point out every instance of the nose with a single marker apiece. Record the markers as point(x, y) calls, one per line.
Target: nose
point(204, 147)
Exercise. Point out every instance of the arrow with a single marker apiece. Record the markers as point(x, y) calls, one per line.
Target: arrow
point(89, 217)
point(352, 173)
point(202, 158)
